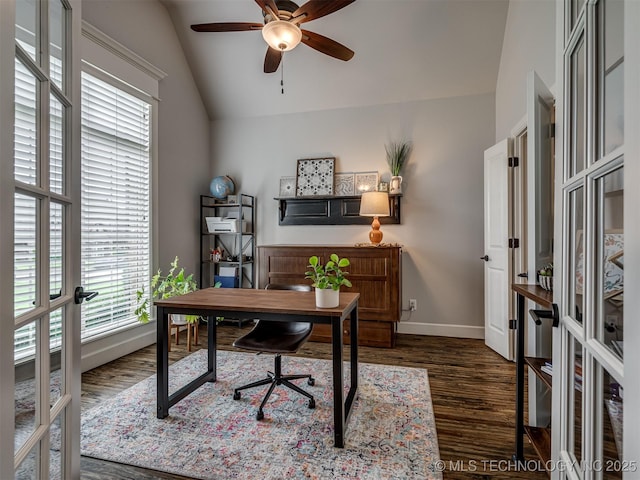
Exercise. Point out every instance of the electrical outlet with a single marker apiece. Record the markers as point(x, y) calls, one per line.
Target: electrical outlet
point(413, 305)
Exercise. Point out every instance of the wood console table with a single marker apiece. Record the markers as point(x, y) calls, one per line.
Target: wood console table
point(375, 272)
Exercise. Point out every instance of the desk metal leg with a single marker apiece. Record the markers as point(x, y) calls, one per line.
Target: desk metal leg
point(338, 392)
point(519, 455)
point(162, 362)
point(212, 330)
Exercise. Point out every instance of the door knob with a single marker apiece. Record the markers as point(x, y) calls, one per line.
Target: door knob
point(485, 258)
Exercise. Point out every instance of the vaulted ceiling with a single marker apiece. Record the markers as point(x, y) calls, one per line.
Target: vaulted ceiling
point(405, 50)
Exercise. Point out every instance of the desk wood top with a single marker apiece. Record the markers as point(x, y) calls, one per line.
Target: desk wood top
point(266, 301)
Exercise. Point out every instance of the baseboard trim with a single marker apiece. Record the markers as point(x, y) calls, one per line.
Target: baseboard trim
point(441, 330)
point(112, 347)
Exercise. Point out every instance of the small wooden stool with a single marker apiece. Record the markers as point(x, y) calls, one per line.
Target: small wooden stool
point(192, 329)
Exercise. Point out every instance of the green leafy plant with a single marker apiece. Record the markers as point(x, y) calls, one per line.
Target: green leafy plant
point(330, 275)
point(167, 286)
point(546, 271)
point(397, 155)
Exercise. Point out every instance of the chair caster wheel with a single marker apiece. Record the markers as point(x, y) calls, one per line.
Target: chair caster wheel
point(312, 403)
point(236, 395)
point(311, 381)
point(259, 415)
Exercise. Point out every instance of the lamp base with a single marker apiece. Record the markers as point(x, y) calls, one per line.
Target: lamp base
point(375, 235)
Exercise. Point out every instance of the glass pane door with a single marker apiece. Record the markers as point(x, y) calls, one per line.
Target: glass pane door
point(45, 406)
point(588, 421)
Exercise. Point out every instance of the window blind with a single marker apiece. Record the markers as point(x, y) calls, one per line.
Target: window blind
point(115, 203)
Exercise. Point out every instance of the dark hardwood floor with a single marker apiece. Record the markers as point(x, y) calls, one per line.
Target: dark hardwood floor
point(472, 388)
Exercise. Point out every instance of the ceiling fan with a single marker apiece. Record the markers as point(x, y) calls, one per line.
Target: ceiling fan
point(281, 29)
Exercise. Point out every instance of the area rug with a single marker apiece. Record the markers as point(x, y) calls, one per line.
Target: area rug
point(208, 435)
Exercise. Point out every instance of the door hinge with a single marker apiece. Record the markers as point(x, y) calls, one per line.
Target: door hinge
point(514, 243)
point(514, 161)
point(553, 130)
point(513, 324)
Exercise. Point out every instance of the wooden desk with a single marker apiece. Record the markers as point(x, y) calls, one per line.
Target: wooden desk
point(267, 305)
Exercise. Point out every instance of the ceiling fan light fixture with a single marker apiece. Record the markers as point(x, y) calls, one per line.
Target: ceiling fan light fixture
point(281, 35)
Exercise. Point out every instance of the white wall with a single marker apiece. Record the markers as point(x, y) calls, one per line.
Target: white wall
point(145, 27)
point(529, 44)
point(442, 207)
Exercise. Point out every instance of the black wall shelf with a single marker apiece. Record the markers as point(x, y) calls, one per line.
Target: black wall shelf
point(330, 211)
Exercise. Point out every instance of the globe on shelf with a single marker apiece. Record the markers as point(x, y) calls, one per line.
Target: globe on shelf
point(222, 186)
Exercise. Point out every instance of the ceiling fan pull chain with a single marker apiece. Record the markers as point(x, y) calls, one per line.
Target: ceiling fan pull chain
point(282, 74)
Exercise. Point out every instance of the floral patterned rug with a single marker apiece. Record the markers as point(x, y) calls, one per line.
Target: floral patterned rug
point(391, 433)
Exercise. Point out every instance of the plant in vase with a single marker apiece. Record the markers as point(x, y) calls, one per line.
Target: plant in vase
point(397, 155)
point(545, 277)
point(327, 279)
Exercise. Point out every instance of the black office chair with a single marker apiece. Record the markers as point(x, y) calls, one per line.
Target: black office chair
point(278, 338)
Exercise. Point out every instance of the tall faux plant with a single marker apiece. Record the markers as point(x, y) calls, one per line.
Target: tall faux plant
point(397, 155)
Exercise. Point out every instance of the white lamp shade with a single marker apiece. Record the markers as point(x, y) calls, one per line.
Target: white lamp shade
point(374, 204)
point(281, 35)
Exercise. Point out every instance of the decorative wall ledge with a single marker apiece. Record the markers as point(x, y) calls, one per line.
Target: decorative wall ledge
point(330, 211)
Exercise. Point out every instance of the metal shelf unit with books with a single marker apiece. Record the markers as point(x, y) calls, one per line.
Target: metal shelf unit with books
point(540, 437)
point(227, 241)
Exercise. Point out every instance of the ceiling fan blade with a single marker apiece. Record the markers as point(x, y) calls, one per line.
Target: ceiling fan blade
point(272, 60)
point(326, 45)
point(226, 27)
point(318, 8)
point(267, 5)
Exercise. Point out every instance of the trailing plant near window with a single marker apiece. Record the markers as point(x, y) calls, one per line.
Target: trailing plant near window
point(330, 275)
point(170, 285)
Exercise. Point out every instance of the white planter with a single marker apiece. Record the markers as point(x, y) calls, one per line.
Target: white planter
point(178, 319)
point(395, 187)
point(327, 298)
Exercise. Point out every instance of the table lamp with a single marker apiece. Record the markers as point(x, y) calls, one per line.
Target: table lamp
point(375, 204)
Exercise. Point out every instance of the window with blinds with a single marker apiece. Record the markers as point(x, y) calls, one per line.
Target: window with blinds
point(116, 185)
point(116, 229)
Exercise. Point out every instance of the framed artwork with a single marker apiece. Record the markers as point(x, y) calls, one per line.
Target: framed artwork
point(366, 182)
point(314, 176)
point(613, 281)
point(287, 187)
point(344, 184)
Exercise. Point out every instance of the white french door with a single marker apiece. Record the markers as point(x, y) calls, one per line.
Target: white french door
point(595, 412)
point(39, 207)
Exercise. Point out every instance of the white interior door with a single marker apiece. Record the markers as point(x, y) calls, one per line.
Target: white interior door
point(498, 272)
point(540, 175)
point(39, 358)
point(539, 228)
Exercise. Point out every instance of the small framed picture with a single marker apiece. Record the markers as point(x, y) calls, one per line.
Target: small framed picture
point(314, 177)
point(383, 187)
point(343, 184)
point(366, 182)
point(232, 199)
point(287, 187)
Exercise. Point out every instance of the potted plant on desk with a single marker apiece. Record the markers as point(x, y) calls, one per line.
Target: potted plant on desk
point(327, 279)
